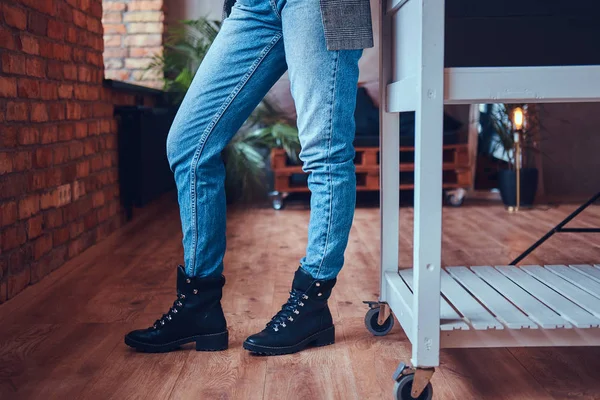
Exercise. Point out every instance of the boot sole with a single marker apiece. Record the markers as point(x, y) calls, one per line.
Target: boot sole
point(325, 337)
point(211, 342)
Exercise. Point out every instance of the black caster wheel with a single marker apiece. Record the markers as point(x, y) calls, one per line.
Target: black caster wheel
point(278, 204)
point(455, 198)
point(374, 327)
point(403, 388)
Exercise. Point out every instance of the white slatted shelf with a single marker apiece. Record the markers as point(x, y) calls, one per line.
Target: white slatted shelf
point(471, 309)
point(583, 299)
point(504, 310)
point(565, 308)
point(576, 278)
point(536, 310)
point(588, 270)
point(449, 318)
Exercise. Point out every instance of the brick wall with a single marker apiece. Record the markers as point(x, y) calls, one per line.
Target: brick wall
point(133, 33)
point(59, 192)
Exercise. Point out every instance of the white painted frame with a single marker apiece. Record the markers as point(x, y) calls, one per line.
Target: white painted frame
point(413, 78)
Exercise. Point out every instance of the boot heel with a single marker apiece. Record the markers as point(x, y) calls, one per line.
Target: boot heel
point(214, 342)
point(325, 337)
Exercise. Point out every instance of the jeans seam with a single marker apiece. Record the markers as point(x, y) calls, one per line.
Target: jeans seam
point(275, 10)
point(333, 87)
point(205, 135)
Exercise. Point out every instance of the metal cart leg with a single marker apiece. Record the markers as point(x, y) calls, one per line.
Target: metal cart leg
point(428, 184)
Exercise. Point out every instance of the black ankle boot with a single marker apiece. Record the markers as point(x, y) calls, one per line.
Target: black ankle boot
point(305, 320)
point(196, 316)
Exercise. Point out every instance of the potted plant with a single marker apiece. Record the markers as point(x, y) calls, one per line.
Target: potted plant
point(246, 155)
point(505, 148)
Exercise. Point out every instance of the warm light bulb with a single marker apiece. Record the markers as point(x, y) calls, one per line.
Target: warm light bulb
point(518, 118)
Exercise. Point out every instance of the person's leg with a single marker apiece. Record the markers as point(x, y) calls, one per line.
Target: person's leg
point(324, 85)
point(245, 60)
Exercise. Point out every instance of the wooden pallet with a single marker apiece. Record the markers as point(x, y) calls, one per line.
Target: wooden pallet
point(457, 169)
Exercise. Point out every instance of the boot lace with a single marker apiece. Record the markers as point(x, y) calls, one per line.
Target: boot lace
point(177, 305)
point(288, 311)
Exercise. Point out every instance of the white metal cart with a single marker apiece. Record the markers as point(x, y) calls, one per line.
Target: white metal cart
point(501, 306)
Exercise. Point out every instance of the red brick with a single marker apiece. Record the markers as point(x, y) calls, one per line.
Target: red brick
point(13, 63)
point(72, 35)
point(38, 23)
point(56, 29)
point(53, 218)
point(30, 45)
point(81, 130)
point(7, 39)
point(43, 157)
point(96, 9)
point(73, 110)
point(22, 161)
point(49, 90)
point(77, 228)
point(29, 206)
point(48, 263)
point(49, 199)
point(55, 70)
point(90, 220)
point(70, 72)
point(17, 282)
point(78, 189)
point(83, 169)
point(146, 40)
point(94, 25)
point(114, 29)
point(28, 135)
point(73, 3)
point(79, 55)
point(79, 19)
point(6, 164)
point(97, 163)
point(60, 236)
point(39, 112)
point(61, 154)
point(98, 199)
point(16, 111)
point(8, 87)
point(42, 246)
point(90, 147)
point(56, 111)
point(35, 67)
point(8, 138)
point(15, 16)
point(35, 226)
point(62, 52)
point(12, 237)
point(66, 132)
point(85, 74)
point(8, 213)
point(29, 88)
point(65, 91)
point(64, 12)
point(94, 58)
point(49, 134)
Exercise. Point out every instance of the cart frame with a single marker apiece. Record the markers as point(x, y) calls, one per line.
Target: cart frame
point(413, 78)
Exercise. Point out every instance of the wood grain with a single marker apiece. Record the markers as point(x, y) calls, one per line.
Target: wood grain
point(62, 338)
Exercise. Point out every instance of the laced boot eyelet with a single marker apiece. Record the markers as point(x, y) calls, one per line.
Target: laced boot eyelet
point(195, 291)
point(296, 312)
point(291, 319)
point(276, 329)
point(169, 317)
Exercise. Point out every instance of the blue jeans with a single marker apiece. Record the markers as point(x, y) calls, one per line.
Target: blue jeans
point(258, 42)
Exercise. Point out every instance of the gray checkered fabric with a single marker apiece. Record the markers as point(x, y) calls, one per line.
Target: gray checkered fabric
point(347, 23)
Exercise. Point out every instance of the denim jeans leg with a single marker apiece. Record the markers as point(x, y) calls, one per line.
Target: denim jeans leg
point(324, 85)
point(245, 60)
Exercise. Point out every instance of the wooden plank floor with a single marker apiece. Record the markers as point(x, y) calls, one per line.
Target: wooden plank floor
point(63, 337)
